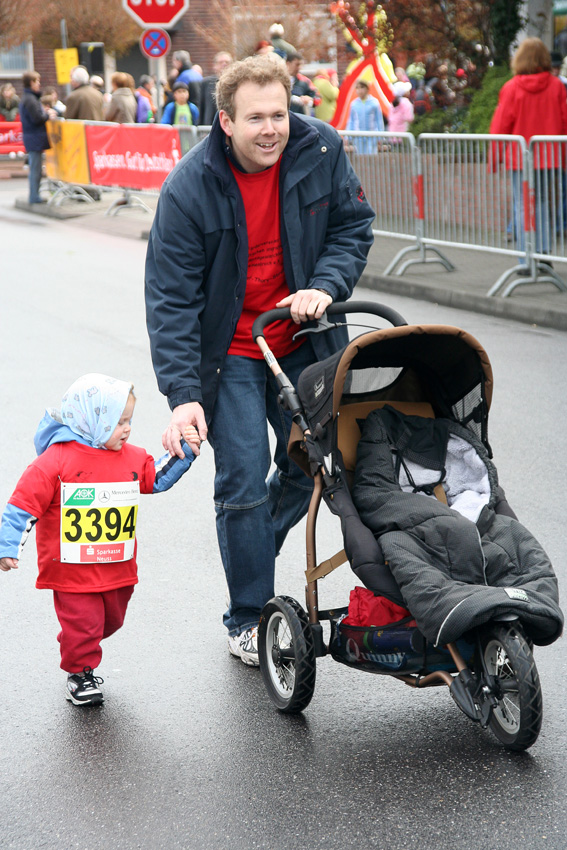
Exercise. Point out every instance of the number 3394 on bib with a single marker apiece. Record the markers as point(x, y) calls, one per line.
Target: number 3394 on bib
point(98, 522)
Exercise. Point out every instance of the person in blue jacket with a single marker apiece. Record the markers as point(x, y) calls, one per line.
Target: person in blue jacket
point(265, 212)
point(34, 117)
point(365, 114)
point(180, 110)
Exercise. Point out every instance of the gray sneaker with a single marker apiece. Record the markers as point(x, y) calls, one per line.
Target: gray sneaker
point(82, 688)
point(245, 646)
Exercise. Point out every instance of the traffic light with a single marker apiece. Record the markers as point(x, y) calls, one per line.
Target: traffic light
point(91, 55)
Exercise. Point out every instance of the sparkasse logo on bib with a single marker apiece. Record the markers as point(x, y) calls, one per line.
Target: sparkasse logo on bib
point(81, 496)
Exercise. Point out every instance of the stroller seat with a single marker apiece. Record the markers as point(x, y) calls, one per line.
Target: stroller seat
point(348, 428)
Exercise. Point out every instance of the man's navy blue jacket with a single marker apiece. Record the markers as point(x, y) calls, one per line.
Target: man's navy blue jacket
point(33, 117)
point(198, 251)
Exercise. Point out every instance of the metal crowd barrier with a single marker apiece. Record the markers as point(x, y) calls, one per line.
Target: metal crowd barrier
point(483, 192)
point(385, 164)
point(189, 137)
point(547, 206)
point(63, 185)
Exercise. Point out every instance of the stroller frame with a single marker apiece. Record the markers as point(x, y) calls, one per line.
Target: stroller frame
point(500, 690)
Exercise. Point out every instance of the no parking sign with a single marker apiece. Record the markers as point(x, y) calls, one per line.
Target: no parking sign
point(155, 43)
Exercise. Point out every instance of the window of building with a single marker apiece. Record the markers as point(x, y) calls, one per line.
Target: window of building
point(15, 61)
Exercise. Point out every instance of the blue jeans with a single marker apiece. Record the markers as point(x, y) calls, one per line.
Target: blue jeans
point(254, 513)
point(35, 160)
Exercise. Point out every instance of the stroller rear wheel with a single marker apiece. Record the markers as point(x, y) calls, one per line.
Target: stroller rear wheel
point(516, 720)
point(287, 655)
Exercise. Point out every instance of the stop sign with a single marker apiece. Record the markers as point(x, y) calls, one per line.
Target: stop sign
point(156, 13)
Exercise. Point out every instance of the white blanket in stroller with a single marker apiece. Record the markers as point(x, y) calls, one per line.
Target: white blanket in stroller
point(466, 483)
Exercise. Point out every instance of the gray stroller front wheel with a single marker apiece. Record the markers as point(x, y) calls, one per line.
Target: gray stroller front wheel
point(287, 654)
point(516, 720)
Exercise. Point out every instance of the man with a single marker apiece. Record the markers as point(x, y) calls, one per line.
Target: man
point(265, 212)
point(208, 104)
point(34, 117)
point(304, 95)
point(181, 61)
point(97, 82)
point(85, 102)
point(282, 48)
point(180, 111)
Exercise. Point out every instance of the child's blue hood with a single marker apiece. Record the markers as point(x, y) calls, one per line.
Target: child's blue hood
point(52, 430)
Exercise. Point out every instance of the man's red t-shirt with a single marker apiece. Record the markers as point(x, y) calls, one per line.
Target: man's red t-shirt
point(39, 493)
point(265, 282)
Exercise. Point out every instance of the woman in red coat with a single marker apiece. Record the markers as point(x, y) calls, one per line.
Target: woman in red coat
point(533, 103)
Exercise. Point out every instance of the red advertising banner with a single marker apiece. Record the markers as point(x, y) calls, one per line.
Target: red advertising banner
point(130, 156)
point(11, 138)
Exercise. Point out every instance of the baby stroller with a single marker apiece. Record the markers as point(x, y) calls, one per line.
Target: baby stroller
point(399, 414)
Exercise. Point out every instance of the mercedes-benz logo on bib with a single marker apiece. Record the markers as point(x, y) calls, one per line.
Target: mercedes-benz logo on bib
point(104, 496)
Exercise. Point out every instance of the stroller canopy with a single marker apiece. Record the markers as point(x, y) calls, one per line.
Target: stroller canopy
point(439, 364)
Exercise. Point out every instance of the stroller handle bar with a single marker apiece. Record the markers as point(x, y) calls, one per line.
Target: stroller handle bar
point(280, 313)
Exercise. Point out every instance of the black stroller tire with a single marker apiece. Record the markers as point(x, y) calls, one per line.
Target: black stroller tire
point(516, 720)
point(286, 654)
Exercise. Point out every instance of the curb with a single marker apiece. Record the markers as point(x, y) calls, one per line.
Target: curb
point(504, 308)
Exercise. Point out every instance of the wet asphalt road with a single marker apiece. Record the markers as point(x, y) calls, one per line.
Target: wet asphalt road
point(187, 751)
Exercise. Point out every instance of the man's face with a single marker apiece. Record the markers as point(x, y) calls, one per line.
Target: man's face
point(293, 67)
point(260, 130)
point(35, 85)
point(222, 61)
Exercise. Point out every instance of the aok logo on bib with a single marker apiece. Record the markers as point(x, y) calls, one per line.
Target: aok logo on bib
point(98, 522)
point(81, 496)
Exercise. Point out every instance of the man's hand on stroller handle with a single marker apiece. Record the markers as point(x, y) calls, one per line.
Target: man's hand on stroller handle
point(306, 304)
point(184, 416)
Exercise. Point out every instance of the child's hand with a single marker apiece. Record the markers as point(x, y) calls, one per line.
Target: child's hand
point(191, 436)
point(7, 564)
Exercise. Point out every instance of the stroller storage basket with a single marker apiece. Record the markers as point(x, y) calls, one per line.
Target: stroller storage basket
point(395, 648)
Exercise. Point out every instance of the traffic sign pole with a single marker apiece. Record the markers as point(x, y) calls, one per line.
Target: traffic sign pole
point(155, 43)
point(154, 71)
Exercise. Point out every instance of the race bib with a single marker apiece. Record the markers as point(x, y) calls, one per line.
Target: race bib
point(98, 522)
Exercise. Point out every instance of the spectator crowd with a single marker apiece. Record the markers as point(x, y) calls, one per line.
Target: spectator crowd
point(188, 98)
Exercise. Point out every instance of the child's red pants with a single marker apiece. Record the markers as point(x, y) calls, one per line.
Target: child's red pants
point(87, 618)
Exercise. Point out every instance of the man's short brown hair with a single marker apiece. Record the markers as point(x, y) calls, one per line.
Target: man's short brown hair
point(29, 77)
point(261, 70)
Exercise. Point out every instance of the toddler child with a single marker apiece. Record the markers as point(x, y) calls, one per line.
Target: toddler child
point(83, 491)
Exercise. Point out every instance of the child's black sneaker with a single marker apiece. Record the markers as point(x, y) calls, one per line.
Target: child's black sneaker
point(82, 688)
